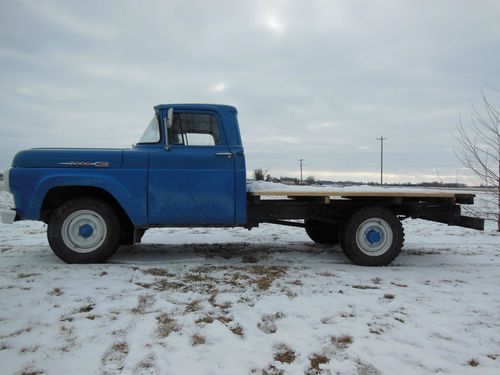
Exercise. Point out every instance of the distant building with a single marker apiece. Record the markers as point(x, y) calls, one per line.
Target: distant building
point(1, 176)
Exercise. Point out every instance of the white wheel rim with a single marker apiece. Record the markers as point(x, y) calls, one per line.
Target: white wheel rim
point(84, 231)
point(374, 237)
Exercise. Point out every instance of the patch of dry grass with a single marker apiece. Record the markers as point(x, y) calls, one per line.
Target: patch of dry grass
point(325, 274)
point(26, 275)
point(56, 292)
point(266, 275)
point(207, 319)
point(238, 330)
point(141, 304)
point(236, 279)
point(166, 325)
point(31, 372)
point(224, 319)
point(159, 272)
point(347, 315)
point(88, 307)
point(363, 287)
point(271, 370)
point(197, 278)
point(213, 297)
point(473, 362)
point(399, 285)
point(267, 323)
point(18, 332)
point(193, 306)
point(162, 285)
point(316, 360)
point(283, 353)
point(121, 347)
point(28, 349)
point(341, 342)
point(197, 340)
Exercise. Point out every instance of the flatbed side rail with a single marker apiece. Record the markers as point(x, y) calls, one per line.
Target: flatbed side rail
point(279, 211)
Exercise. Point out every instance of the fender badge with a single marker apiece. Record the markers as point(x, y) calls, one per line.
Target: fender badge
point(99, 164)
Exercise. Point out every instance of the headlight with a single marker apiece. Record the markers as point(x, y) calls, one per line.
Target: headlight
point(6, 179)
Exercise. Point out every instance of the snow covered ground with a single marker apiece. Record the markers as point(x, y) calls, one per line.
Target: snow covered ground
point(268, 301)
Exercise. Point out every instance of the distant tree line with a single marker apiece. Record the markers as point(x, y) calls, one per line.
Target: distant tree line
point(260, 174)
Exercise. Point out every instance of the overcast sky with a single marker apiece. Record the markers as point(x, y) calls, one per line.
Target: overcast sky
point(317, 80)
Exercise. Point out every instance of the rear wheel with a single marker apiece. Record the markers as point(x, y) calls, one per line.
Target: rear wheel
point(84, 230)
point(322, 232)
point(373, 236)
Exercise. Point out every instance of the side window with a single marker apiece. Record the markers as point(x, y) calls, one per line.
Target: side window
point(194, 129)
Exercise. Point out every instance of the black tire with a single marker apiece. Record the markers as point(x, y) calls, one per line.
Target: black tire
point(322, 232)
point(376, 224)
point(106, 244)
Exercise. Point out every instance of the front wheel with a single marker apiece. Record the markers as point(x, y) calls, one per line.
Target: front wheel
point(84, 230)
point(373, 236)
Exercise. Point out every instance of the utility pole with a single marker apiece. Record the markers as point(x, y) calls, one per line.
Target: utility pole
point(381, 139)
point(301, 160)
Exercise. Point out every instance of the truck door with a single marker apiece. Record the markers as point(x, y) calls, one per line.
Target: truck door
point(191, 181)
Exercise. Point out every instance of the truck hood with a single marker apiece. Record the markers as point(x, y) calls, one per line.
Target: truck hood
point(68, 158)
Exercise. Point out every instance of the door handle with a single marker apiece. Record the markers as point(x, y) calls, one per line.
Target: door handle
point(228, 155)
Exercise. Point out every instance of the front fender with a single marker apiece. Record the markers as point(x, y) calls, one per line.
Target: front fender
point(128, 186)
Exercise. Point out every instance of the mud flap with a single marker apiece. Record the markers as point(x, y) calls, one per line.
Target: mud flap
point(470, 222)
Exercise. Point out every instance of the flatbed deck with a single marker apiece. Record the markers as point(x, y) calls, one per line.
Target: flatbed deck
point(463, 198)
point(277, 204)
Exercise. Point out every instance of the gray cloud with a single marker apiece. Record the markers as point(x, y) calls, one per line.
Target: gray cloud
point(316, 80)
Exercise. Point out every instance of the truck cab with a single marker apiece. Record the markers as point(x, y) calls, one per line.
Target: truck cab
point(196, 166)
point(188, 169)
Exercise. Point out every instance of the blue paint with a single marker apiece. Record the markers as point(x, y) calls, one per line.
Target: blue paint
point(155, 186)
point(86, 231)
point(128, 184)
point(373, 236)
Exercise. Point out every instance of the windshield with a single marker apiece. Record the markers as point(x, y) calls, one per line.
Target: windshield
point(152, 132)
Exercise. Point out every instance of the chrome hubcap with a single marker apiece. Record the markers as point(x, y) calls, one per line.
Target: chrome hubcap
point(374, 237)
point(84, 231)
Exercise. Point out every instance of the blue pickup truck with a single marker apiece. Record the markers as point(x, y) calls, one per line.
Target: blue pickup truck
point(188, 169)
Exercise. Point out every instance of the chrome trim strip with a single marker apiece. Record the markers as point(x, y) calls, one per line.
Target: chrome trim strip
point(99, 164)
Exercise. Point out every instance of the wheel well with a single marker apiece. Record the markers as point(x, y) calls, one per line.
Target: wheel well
point(58, 195)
